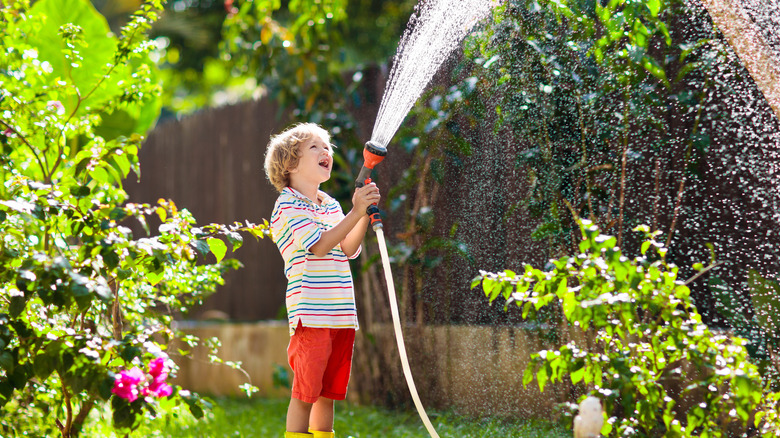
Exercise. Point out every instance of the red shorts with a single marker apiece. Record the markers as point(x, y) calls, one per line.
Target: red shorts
point(321, 360)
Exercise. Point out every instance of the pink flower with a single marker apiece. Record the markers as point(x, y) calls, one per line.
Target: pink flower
point(56, 106)
point(157, 368)
point(8, 133)
point(159, 373)
point(229, 8)
point(126, 384)
point(134, 383)
point(162, 390)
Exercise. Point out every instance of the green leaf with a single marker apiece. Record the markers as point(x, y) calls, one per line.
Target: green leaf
point(19, 376)
point(235, 239)
point(117, 214)
point(645, 246)
point(105, 387)
point(201, 246)
point(18, 303)
point(6, 389)
point(123, 416)
point(100, 175)
point(541, 377)
point(652, 66)
point(80, 191)
point(43, 366)
point(7, 362)
point(528, 375)
point(129, 353)
point(765, 295)
point(578, 375)
point(218, 248)
point(119, 123)
point(120, 164)
point(154, 277)
point(95, 54)
point(654, 6)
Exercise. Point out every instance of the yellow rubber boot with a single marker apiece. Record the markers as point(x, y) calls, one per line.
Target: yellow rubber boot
point(318, 434)
point(297, 435)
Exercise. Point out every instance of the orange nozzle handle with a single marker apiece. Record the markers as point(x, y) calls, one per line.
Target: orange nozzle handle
point(373, 154)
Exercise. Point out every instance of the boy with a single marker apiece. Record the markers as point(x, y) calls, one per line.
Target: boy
point(316, 241)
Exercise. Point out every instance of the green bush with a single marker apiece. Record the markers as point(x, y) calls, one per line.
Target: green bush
point(647, 335)
point(81, 297)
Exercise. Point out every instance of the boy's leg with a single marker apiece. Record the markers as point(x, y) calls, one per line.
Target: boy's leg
point(321, 418)
point(335, 382)
point(298, 416)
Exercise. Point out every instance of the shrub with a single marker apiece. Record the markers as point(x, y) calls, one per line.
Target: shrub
point(83, 300)
point(647, 334)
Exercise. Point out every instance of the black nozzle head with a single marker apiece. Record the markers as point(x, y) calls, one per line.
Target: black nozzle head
point(376, 148)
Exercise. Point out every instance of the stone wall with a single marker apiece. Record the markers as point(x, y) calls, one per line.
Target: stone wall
point(469, 369)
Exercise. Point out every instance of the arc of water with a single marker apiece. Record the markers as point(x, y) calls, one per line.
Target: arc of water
point(432, 35)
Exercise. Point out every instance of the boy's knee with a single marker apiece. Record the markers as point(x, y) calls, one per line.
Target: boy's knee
point(300, 403)
point(324, 401)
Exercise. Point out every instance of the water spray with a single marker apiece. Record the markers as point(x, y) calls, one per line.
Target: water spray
point(436, 30)
point(373, 154)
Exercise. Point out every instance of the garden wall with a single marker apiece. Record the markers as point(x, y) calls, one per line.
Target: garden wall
point(469, 369)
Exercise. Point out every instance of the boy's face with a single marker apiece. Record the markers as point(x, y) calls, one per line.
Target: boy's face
point(315, 161)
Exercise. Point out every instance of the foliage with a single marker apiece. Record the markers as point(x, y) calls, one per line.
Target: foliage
point(590, 87)
point(761, 328)
point(81, 296)
point(647, 335)
point(220, 52)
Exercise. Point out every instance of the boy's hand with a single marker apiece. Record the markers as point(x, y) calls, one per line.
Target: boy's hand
point(365, 196)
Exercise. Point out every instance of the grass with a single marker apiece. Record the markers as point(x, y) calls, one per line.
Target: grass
point(264, 418)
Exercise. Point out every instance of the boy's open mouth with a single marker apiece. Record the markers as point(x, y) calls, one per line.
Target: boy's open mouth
point(324, 163)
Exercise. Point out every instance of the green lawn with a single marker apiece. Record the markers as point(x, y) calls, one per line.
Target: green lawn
point(264, 418)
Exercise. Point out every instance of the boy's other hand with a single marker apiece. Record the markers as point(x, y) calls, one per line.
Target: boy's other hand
point(365, 196)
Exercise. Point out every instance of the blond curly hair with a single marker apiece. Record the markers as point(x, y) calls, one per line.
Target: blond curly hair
point(282, 153)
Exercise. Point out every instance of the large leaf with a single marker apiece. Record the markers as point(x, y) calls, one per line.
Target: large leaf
point(98, 52)
point(766, 302)
point(87, 75)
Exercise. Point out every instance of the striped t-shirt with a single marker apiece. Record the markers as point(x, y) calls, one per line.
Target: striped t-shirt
point(319, 289)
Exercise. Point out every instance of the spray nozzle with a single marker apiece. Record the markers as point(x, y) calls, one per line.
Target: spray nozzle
point(373, 154)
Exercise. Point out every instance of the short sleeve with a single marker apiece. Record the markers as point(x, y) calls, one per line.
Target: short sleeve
point(356, 254)
point(297, 227)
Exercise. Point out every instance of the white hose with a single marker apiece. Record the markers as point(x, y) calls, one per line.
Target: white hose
point(399, 336)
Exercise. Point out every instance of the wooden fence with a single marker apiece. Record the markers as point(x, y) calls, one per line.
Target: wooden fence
point(212, 164)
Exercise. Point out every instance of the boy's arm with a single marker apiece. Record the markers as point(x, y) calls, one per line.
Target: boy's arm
point(350, 231)
point(351, 243)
